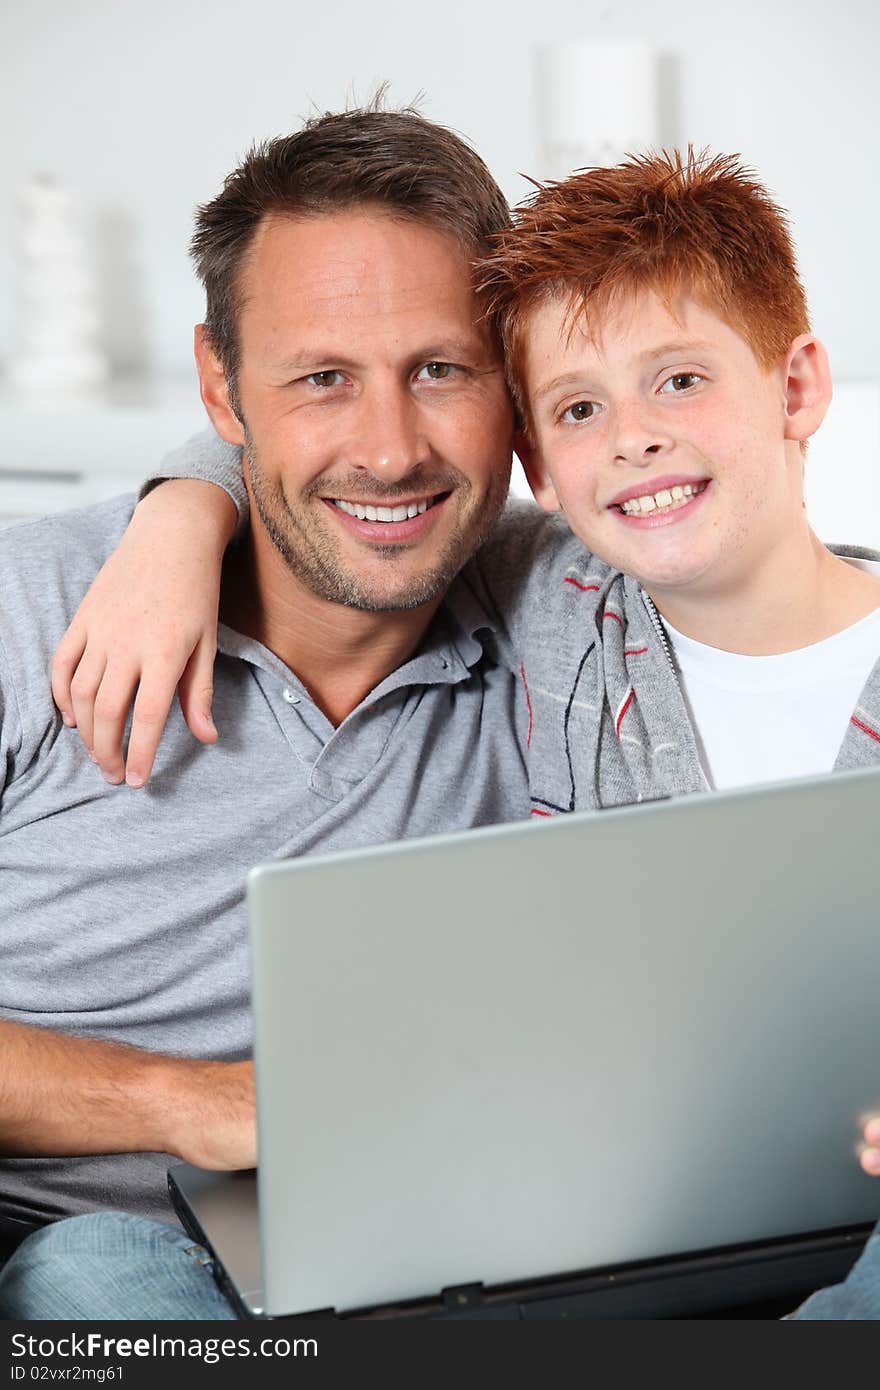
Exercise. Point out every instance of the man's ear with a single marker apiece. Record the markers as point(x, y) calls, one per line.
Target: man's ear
point(807, 385)
point(533, 467)
point(214, 390)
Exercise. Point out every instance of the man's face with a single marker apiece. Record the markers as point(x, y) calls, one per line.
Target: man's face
point(663, 441)
point(377, 425)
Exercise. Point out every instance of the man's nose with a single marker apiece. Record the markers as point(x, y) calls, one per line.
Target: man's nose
point(638, 435)
point(388, 441)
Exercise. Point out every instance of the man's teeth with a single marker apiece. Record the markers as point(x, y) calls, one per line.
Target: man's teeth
point(382, 513)
point(662, 501)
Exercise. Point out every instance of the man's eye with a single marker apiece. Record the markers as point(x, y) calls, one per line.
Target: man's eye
point(682, 381)
point(581, 410)
point(325, 379)
point(435, 371)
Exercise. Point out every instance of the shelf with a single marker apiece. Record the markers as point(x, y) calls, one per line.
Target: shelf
point(68, 450)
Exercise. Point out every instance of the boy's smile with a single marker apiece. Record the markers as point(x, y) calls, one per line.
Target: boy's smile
point(668, 446)
point(656, 508)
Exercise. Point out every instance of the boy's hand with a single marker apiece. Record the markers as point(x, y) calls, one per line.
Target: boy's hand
point(147, 625)
point(869, 1154)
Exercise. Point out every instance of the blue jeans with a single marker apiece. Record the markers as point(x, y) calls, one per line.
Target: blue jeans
point(857, 1299)
point(116, 1267)
point(110, 1266)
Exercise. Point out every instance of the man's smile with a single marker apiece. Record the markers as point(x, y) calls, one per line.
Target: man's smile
point(374, 511)
point(374, 521)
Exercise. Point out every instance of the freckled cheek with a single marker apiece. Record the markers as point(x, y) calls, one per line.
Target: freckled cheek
point(714, 445)
point(749, 473)
point(576, 479)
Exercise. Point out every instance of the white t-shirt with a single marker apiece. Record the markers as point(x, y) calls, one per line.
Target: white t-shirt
point(768, 718)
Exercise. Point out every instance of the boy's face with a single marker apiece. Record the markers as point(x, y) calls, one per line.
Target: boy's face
point(664, 441)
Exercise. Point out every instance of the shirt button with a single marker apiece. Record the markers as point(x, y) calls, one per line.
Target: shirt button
point(291, 696)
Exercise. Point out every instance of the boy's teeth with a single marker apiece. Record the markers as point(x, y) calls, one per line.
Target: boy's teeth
point(382, 513)
point(662, 500)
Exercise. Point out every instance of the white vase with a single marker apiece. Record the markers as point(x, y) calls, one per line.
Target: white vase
point(597, 102)
point(58, 322)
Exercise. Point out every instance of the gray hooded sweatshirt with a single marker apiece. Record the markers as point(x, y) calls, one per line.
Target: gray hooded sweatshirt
point(608, 720)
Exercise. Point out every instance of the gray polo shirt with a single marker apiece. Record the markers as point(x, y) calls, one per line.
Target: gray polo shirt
point(123, 911)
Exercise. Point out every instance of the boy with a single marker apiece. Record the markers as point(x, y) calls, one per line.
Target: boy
point(659, 351)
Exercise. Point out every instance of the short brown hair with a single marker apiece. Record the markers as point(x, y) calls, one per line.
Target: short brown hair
point(395, 160)
point(667, 222)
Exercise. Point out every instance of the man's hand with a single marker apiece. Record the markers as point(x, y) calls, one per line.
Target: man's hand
point(68, 1096)
point(148, 625)
point(217, 1128)
point(869, 1152)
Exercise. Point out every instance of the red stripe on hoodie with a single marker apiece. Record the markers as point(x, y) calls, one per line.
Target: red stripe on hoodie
point(623, 709)
point(865, 728)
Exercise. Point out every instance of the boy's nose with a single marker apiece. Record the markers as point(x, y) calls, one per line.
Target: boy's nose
point(638, 438)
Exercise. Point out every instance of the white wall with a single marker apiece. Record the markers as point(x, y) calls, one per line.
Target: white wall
point(144, 107)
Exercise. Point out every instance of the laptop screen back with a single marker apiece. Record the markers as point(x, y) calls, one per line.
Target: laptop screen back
point(513, 1053)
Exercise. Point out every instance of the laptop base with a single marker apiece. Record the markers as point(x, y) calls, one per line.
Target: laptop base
point(719, 1283)
point(766, 1279)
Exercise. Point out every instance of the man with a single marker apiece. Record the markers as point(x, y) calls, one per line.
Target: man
point(343, 347)
point(660, 352)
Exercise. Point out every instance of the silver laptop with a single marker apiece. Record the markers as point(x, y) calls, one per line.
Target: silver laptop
point(502, 1059)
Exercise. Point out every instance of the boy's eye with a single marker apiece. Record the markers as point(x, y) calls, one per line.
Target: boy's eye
point(325, 379)
point(682, 381)
point(435, 371)
point(581, 410)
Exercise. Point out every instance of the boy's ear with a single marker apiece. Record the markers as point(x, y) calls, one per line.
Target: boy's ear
point(213, 389)
point(807, 384)
point(533, 467)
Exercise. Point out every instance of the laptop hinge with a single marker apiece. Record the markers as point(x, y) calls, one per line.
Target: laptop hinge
point(313, 1315)
point(460, 1296)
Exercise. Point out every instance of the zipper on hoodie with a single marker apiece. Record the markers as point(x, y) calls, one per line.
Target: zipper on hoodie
point(657, 624)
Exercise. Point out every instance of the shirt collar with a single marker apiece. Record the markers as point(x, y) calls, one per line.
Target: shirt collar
point(453, 644)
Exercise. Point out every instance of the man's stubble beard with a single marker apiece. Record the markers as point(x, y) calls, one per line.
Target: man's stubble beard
point(311, 553)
